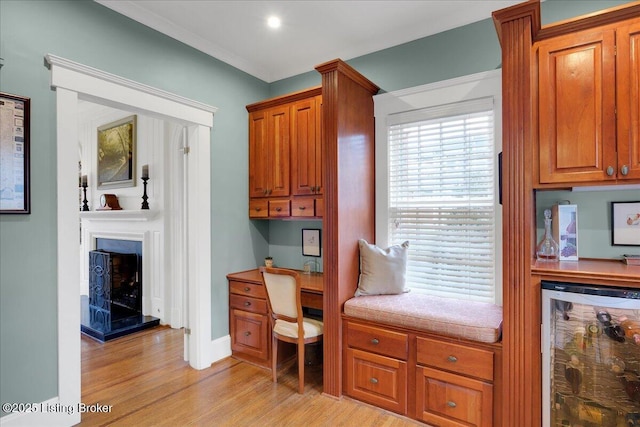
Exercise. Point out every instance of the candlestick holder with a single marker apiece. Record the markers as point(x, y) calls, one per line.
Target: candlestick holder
point(85, 202)
point(145, 204)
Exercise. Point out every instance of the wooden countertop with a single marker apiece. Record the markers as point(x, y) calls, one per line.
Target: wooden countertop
point(313, 282)
point(591, 269)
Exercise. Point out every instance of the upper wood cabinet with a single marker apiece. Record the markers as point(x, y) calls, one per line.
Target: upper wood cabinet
point(588, 111)
point(306, 150)
point(285, 156)
point(628, 92)
point(269, 152)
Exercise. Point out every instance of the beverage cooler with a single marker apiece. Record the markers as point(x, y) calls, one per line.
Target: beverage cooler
point(590, 355)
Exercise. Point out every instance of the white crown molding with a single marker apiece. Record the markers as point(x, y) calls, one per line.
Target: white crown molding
point(57, 61)
point(166, 27)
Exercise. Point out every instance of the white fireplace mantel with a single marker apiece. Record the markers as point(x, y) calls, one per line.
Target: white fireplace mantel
point(121, 215)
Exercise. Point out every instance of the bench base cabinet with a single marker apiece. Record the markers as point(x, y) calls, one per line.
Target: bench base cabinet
point(454, 380)
point(445, 399)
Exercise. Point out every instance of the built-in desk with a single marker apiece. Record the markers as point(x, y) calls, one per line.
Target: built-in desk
point(248, 313)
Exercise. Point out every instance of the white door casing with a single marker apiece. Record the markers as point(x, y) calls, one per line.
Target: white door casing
point(73, 81)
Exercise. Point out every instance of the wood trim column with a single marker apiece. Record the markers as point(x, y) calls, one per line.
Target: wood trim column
point(348, 140)
point(521, 405)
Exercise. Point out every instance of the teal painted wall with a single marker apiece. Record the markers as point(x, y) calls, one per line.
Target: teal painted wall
point(86, 32)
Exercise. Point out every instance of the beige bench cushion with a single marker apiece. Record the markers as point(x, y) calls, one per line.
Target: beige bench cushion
point(475, 321)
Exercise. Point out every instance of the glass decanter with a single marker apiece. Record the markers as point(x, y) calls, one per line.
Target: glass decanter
point(547, 249)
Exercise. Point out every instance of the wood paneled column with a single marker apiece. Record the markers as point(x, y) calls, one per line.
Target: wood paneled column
point(516, 28)
point(348, 140)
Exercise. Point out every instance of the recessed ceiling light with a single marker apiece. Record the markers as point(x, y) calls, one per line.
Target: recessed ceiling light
point(273, 22)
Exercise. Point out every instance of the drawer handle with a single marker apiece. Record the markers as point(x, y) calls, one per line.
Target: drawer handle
point(302, 208)
point(452, 359)
point(624, 170)
point(374, 381)
point(247, 303)
point(258, 209)
point(278, 209)
point(246, 334)
point(375, 341)
point(247, 289)
point(451, 404)
point(610, 171)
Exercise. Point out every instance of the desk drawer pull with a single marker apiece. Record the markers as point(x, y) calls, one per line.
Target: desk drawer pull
point(247, 289)
point(375, 341)
point(278, 209)
point(373, 381)
point(452, 359)
point(247, 303)
point(302, 208)
point(451, 404)
point(246, 334)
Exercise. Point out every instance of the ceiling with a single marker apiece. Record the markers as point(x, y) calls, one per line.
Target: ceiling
point(312, 32)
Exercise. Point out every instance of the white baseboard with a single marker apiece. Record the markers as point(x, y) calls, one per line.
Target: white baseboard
point(48, 413)
point(220, 348)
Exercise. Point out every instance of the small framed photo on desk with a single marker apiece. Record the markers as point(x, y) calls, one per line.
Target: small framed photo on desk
point(311, 242)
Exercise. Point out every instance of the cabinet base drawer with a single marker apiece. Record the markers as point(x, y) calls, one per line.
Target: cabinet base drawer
point(378, 340)
point(379, 380)
point(445, 399)
point(249, 334)
point(460, 359)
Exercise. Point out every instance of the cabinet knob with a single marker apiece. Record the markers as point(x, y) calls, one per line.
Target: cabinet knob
point(451, 404)
point(610, 171)
point(302, 208)
point(452, 359)
point(624, 170)
point(246, 334)
point(373, 381)
point(265, 192)
point(278, 209)
point(258, 209)
point(247, 289)
point(247, 303)
point(269, 191)
point(375, 341)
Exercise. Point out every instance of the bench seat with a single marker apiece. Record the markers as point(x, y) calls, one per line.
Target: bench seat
point(474, 321)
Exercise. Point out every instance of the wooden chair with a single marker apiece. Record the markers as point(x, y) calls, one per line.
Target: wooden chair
point(287, 322)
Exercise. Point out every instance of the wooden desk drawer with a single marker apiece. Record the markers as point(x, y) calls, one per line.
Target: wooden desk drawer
point(302, 207)
point(446, 399)
point(461, 359)
point(250, 334)
point(378, 340)
point(247, 289)
point(258, 208)
point(245, 303)
point(379, 380)
point(279, 208)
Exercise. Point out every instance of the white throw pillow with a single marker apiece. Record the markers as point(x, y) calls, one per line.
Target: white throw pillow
point(382, 271)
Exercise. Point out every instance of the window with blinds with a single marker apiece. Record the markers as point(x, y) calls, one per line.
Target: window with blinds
point(441, 186)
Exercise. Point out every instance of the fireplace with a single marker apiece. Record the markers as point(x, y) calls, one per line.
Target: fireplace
point(114, 305)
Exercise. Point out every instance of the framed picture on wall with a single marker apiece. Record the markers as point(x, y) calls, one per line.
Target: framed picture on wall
point(625, 223)
point(15, 112)
point(311, 242)
point(117, 154)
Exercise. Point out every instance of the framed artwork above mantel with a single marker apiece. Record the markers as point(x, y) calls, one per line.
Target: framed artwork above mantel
point(117, 154)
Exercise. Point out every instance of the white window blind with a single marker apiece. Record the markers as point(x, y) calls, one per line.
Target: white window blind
point(441, 163)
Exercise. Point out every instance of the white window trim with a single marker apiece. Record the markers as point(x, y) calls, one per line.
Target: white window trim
point(480, 85)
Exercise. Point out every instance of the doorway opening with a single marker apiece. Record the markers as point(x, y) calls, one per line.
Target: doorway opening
point(73, 82)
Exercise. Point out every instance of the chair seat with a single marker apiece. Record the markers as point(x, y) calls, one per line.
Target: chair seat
point(312, 328)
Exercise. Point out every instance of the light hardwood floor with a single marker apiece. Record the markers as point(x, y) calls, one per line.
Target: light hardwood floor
point(146, 382)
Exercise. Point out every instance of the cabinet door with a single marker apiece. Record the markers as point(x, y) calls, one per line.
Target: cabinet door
point(269, 152)
point(628, 88)
point(278, 150)
point(304, 148)
point(577, 107)
point(258, 162)
point(450, 400)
